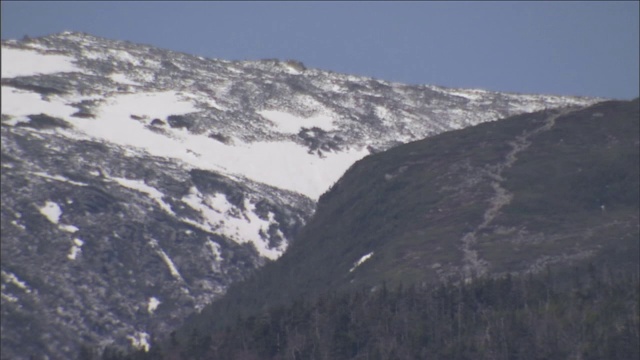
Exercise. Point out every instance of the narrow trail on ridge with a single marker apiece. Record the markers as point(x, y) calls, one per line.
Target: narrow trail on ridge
point(473, 264)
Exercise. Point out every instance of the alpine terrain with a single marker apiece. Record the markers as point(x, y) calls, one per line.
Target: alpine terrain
point(139, 183)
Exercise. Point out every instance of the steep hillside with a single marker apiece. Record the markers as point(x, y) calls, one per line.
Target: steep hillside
point(549, 190)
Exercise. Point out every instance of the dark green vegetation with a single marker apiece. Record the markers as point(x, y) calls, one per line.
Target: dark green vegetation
point(592, 316)
point(502, 203)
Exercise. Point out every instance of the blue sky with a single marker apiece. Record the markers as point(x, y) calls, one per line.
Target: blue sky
point(568, 48)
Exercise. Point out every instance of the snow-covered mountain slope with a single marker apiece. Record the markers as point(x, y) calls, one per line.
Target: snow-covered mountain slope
point(138, 183)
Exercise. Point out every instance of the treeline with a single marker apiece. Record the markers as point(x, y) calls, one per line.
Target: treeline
point(526, 317)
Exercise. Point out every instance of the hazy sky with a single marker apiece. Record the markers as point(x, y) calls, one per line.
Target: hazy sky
point(569, 48)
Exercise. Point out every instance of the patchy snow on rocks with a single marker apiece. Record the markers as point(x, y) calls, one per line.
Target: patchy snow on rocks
point(68, 228)
point(51, 211)
point(239, 224)
point(59, 178)
point(76, 249)
point(167, 260)
point(153, 193)
point(11, 278)
point(361, 261)
point(140, 340)
point(17, 102)
point(292, 124)
point(153, 304)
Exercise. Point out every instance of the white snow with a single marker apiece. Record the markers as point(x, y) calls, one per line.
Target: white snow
point(19, 62)
point(150, 191)
point(124, 56)
point(75, 249)
point(215, 249)
point(291, 124)
point(17, 120)
point(140, 340)
point(217, 256)
point(471, 94)
point(123, 79)
point(18, 225)
point(73, 253)
point(58, 178)
point(12, 278)
point(202, 97)
point(93, 55)
point(36, 46)
point(51, 211)
point(167, 260)
point(117, 109)
point(18, 102)
point(153, 304)
point(221, 217)
point(9, 297)
point(361, 260)
point(220, 203)
point(286, 165)
point(382, 112)
point(68, 228)
point(291, 69)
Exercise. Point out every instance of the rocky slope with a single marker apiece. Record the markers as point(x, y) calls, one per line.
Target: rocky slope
point(138, 183)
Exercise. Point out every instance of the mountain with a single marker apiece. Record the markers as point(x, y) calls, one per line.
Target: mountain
point(139, 183)
point(550, 191)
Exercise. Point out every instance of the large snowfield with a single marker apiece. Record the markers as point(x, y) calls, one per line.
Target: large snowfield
point(283, 164)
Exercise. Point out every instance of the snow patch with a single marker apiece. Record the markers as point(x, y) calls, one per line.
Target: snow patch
point(9, 297)
point(286, 165)
point(13, 279)
point(241, 225)
point(20, 62)
point(167, 260)
point(37, 46)
point(58, 178)
point(291, 69)
point(140, 341)
point(17, 120)
point(215, 249)
point(93, 55)
point(124, 56)
point(17, 103)
point(150, 191)
point(472, 95)
point(76, 249)
point(361, 260)
point(68, 228)
point(291, 124)
point(18, 225)
point(217, 255)
point(73, 253)
point(153, 304)
point(152, 104)
point(51, 211)
point(123, 79)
